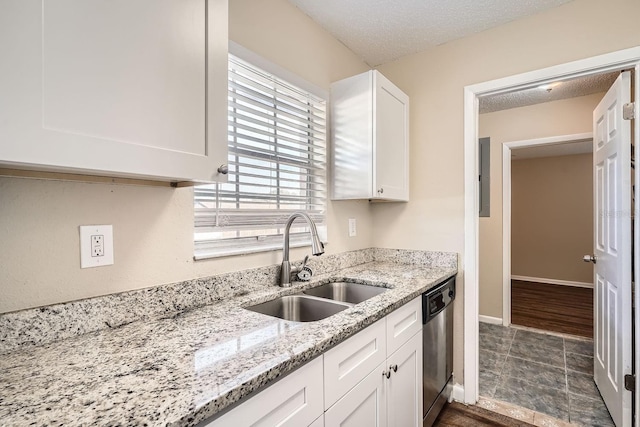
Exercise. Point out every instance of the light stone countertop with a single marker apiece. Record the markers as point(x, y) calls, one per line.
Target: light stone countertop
point(182, 369)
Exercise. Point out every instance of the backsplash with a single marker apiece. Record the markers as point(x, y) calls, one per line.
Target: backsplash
point(59, 321)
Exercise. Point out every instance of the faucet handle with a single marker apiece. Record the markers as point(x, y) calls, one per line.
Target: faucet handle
point(305, 273)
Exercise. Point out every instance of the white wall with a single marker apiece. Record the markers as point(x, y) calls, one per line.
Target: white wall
point(153, 227)
point(435, 79)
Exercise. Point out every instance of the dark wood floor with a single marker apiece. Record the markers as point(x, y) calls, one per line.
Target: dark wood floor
point(459, 415)
point(564, 309)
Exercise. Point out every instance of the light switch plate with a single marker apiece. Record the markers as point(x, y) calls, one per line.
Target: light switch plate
point(96, 245)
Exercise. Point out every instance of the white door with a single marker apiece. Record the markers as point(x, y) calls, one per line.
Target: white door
point(612, 245)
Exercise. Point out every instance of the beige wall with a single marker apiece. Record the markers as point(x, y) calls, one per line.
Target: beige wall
point(565, 117)
point(434, 80)
point(153, 227)
point(552, 217)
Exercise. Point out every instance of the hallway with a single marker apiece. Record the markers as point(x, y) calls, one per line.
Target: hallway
point(550, 374)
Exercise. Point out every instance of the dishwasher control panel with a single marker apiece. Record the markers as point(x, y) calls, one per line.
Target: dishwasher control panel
point(438, 298)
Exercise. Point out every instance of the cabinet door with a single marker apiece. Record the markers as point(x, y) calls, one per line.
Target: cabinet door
point(391, 141)
point(348, 363)
point(295, 400)
point(133, 88)
point(352, 136)
point(365, 405)
point(404, 392)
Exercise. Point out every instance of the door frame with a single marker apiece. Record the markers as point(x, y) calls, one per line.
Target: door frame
point(506, 206)
point(622, 59)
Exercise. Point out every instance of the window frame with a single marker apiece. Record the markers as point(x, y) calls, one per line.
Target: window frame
point(209, 248)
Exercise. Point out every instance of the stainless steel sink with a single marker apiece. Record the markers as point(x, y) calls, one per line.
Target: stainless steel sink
point(298, 308)
point(352, 293)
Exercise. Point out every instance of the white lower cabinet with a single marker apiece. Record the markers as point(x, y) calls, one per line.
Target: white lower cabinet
point(391, 393)
point(373, 379)
point(294, 401)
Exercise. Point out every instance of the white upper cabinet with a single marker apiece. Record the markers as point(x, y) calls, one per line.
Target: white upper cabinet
point(130, 88)
point(370, 129)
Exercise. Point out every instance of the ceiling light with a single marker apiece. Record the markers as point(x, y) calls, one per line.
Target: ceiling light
point(549, 86)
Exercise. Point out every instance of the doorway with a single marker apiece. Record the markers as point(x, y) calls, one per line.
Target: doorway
point(551, 208)
point(547, 227)
point(614, 61)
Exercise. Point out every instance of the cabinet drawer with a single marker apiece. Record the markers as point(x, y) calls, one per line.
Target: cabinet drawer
point(295, 400)
point(348, 363)
point(403, 323)
point(365, 405)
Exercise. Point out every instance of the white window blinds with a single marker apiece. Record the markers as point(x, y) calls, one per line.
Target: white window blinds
point(277, 162)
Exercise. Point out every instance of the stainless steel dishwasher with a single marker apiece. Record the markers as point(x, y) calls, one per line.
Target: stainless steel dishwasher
point(437, 347)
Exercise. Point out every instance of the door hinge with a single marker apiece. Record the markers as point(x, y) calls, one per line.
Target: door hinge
point(629, 111)
point(630, 382)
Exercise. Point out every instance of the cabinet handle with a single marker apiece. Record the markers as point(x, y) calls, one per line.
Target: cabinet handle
point(381, 190)
point(386, 374)
point(223, 169)
point(394, 367)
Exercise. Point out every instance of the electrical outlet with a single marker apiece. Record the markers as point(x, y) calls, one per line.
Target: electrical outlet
point(352, 227)
point(96, 245)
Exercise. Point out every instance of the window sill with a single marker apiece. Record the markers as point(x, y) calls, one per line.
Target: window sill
point(204, 254)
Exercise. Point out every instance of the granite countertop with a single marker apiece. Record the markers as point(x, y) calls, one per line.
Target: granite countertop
point(182, 369)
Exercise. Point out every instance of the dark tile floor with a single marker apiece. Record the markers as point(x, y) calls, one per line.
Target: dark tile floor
point(545, 373)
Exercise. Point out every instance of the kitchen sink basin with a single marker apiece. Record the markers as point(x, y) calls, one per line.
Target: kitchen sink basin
point(352, 293)
point(298, 308)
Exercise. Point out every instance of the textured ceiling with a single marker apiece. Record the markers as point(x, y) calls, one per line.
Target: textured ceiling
point(568, 89)
point(552, 150)
point(380, 31)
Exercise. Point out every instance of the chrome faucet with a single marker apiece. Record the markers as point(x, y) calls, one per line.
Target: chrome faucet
point(317, 248)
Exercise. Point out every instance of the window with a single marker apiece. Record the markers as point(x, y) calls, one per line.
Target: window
point(277, 162)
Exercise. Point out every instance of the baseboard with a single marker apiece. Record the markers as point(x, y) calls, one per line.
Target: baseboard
point(457, 393)
point(489, 319)
point(553, 281)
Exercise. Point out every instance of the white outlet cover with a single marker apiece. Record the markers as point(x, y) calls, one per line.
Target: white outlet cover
point(352, 227)
point(86, 258)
